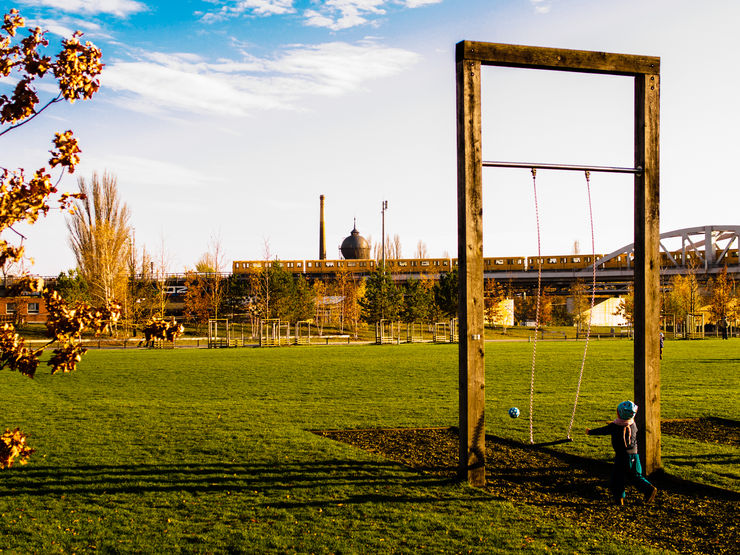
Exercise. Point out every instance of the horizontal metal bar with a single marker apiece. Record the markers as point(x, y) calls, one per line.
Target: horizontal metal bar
point(540, 166)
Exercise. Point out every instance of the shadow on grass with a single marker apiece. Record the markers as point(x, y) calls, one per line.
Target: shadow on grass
point(696, 460)
point(267, 480)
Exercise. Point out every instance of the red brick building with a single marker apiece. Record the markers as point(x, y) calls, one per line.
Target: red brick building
point(25, 309)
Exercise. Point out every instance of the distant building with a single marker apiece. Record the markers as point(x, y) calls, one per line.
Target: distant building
point(504, 315)
point(355, 247)
point(23, 309)
point(605, 314)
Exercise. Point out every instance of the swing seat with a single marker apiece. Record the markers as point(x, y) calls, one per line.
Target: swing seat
point(549, 443)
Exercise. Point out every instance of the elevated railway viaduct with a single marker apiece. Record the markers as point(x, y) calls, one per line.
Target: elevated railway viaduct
point(703, 251)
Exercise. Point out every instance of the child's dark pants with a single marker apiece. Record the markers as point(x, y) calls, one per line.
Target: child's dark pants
point(627, 468)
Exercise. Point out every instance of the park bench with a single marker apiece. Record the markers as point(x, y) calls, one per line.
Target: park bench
point(328, 337)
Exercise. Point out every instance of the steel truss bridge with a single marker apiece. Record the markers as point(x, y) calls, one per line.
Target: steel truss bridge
point(703, 251)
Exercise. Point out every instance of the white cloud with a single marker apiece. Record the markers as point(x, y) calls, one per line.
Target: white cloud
point(266, 7)
point(315, 19)
point(120, 8)
point(420, 3)
point(186, 82)
point(66, 26)
point(147, 172)
point(541, 6)
point(331, 14)
point(252, 7)
point(343, 14)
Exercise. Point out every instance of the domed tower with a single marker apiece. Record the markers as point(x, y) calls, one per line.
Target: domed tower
point(355, 246)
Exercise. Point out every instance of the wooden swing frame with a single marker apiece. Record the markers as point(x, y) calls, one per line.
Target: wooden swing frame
point(645, 70)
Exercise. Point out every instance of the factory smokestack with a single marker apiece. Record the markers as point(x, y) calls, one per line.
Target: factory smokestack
point(322, 233)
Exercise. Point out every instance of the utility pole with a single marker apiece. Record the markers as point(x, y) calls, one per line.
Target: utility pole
point(384, 207)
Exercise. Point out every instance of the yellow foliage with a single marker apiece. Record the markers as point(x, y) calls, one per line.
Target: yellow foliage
point(13, 446)
point(76, 69)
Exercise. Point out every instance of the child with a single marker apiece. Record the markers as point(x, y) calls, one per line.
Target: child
point(626, 460)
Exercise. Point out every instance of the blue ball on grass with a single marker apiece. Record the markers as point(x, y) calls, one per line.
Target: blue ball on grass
point(514, 412)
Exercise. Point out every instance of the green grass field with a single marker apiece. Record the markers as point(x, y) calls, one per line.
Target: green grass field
point(209, 450)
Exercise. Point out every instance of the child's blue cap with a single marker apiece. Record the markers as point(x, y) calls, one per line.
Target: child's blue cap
point(626, 410)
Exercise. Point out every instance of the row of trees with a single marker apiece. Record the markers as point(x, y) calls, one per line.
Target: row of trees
point(344, 302)
point(686, 296)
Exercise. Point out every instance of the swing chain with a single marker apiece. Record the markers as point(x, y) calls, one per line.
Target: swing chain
point(593, 298)
point(537, 310)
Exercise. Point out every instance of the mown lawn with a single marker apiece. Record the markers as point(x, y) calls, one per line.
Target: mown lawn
point(209, 451)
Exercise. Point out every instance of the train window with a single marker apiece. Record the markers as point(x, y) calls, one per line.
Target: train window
point(499, 262)
point(351, 264)
point(309, 264)
point(413, 263)
point(288, 264)
point(299, 264)
point(403, 263)
point(445, 263)
point(576, 259)
point(552, 260)
point(425, 263)
point(329, 264)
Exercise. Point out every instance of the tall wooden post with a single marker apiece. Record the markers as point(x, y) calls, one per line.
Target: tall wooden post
point(470, 271)
point(647, 268)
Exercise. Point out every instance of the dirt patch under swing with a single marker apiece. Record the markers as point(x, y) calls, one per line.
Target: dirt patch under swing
point(685, 517)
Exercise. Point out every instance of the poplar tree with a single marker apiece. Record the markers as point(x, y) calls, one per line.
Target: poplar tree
point(99, 234)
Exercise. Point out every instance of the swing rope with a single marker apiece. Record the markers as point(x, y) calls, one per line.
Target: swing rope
point(593, 297)
point(539, 297)
point(537, 310)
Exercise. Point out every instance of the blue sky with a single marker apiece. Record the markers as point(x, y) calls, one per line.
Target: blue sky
point(228, 119)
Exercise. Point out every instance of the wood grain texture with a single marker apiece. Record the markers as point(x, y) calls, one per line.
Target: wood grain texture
point(647, 268)
point(534, 57)
point(470, 274)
